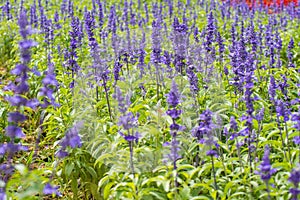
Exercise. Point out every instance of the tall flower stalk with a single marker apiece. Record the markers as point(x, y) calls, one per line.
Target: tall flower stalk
point(295, 179)
point(20, 88)
point(100, 67)
point(205, 135)
point(266, 170)
point(128, 122)
point(173, 99)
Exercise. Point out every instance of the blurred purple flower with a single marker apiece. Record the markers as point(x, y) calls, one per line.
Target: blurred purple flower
point(71, 139)
point(128, 121)
point(295, 179)
point(233, 124)
point(173, 97)
point(2, 194)
point(11, 148)
point(260, 115)
point(16, 117)
point(296, 118)
point(266, 170)
point(50, 190)
point(212, 153)
point(14, 132)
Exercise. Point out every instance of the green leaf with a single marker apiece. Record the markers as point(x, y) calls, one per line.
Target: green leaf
point(107, 190)
point(69, 168)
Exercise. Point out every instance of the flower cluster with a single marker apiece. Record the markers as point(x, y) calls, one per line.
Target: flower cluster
point(173, 99)
point(71, 139)
point(128, 122)
point(20, 88)
point(295, 179)
point(266, 170)
point(204, 131)
point(50, 84)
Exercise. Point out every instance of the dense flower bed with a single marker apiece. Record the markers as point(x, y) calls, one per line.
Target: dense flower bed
point(147, 100)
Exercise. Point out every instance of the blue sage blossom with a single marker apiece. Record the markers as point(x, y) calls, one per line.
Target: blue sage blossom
point(128, 121)
point(265, 169)
point(173, 100)
point(71, 139)
point(204, 131)
point(51, 190)
point(295, 179)
point(20, 88)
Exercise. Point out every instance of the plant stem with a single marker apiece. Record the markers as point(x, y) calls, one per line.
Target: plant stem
point(131, 156)
point(287, 141)
point(282, 140)
point(107, 99)
point(214, 173)
point(268, 190)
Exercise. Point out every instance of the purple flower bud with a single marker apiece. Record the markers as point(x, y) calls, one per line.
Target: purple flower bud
point(173, 97)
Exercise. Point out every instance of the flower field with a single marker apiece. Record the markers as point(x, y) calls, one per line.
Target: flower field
point(149, 100)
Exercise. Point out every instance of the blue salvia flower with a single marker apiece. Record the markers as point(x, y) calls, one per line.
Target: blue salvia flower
point(156, 42)
point(179, 40)
point(265, 169)
point(174, 151)
point(167, 60)
point(233, 127)
point(173, 99)
point(272, 88)
point(117, 68)
point(2, 194)
point(204, 134)
point(210, 32)
point(282, 110)
point(283, 86)
point(193, 79)
point(90, 26)
point(7, 11)
point(204, 131)
point(71, 139)
point(42, 19)
point(248, 93)
point(50, 84)
point(49, 33)
point(33, 15)
point(128, 122)
point(74, 43)
point(50, 190)
point(290, 53)
point(296, 118)
point(63, 7)
point(70, 8)
point(13, 131)
point(295, 179)
point(260, 115)
point(100, 66)
point(253, 38)
point(56, 19)
point(142, 53)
